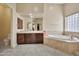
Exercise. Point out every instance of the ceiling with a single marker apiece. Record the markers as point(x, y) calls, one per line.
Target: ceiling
point(26, 9)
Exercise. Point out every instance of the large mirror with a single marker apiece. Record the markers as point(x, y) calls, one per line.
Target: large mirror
point(35, 25)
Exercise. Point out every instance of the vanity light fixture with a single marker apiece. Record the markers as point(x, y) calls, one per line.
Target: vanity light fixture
point(30, 14)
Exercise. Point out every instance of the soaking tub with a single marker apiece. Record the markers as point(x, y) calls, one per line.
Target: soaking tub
point(64, 43)
point(63, 38)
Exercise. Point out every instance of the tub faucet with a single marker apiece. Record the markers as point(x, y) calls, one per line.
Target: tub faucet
point(71, 37)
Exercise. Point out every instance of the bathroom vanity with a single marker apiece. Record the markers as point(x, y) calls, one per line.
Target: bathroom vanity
point(31, 37)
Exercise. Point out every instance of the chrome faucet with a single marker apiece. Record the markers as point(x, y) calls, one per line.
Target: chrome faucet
point(71, 37)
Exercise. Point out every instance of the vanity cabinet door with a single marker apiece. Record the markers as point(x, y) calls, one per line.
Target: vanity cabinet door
point(30, 38)
point(39, 37)
point(20, 38)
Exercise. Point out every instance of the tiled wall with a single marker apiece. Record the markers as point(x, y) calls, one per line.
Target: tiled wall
point(53, 19)
point(75, 34)
point(67, 47)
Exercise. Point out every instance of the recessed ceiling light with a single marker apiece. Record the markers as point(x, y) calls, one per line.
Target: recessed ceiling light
point(30, 14)
point(35, 9)
point(51, 8)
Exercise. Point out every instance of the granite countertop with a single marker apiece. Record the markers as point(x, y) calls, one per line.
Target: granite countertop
point(32, 32)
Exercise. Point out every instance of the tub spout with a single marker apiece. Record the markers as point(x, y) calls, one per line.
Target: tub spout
point(71, 37)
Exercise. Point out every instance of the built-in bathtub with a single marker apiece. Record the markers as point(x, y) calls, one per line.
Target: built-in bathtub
point(64, 43)
point(63, 38)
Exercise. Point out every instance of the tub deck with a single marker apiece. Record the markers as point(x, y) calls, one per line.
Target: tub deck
point(67, 46)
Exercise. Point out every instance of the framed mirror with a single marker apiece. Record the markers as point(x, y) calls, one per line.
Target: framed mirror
point(19, 23)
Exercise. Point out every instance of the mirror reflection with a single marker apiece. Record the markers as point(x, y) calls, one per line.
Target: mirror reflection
point(35, 25)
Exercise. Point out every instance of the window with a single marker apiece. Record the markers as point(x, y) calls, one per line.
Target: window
point(72, 23)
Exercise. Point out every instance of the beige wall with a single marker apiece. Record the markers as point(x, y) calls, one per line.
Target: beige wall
point(53, 18)
point(71, 8)
point(1, 18)
point(5, 25)
point(5, 20)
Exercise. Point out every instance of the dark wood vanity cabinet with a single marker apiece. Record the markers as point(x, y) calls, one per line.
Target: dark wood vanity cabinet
point(39, 38)
point(29, 38)
point(20, 38)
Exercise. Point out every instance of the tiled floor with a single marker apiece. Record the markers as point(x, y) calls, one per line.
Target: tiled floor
point(32, 50)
